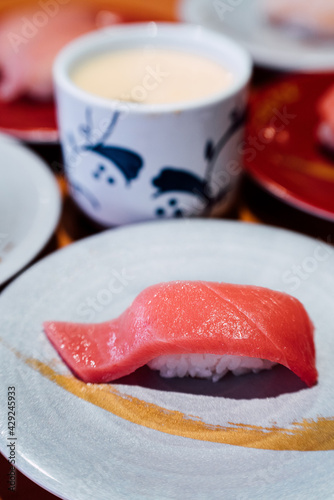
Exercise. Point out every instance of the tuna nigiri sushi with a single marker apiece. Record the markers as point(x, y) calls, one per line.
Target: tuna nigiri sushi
point(203, 327)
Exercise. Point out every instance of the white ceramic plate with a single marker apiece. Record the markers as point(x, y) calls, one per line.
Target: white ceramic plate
point(80, 450)
point(270, 46)
point(29, 206)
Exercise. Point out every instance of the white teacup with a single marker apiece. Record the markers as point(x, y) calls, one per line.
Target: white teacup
point(127, 162)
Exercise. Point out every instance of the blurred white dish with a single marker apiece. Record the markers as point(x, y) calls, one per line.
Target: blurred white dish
point(29, 206)
point(272, 47)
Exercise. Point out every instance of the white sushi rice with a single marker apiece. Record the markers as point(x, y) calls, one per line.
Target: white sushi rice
point(209, 366)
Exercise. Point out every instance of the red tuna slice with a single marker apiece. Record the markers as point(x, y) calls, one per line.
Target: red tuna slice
point(183, 317)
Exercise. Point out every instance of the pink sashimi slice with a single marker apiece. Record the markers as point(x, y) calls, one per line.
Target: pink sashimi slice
point(184, 317)
point(315, 18)
point(31, 37)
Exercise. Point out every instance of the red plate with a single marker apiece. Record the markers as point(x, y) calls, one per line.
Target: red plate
point(281, 150)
